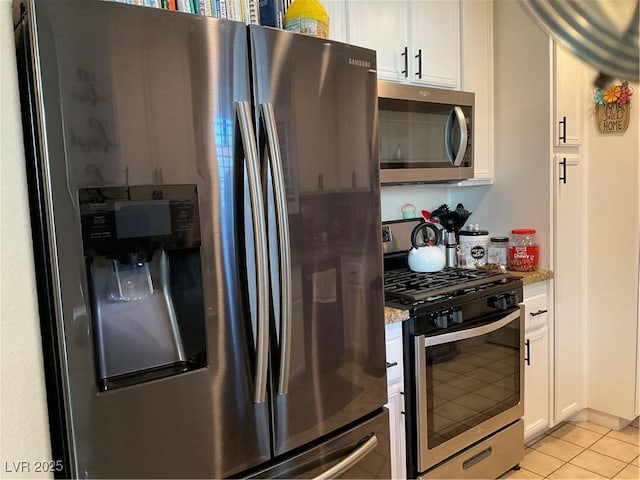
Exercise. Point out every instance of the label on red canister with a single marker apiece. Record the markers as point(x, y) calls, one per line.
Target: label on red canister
point(523, 259)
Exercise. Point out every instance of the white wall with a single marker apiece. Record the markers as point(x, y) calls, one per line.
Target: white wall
point(612, 266)
point(24, 430)
point(520, 196)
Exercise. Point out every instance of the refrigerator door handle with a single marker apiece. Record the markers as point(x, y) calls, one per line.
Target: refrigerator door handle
point(275, 161)
point(243, 111)
point(349, 461)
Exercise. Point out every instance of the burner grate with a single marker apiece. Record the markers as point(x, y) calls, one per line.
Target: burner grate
point(416, 287)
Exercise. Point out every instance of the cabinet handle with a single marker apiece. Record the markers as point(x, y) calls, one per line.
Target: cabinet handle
point(419, 57)
point(527, 356)
point(539, 312)
point(392, 364)
point(563, 123)
point(405, 54)
point(563, 177)
point(320, 181)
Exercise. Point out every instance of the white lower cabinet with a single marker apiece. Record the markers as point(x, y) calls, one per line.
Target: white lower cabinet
point(536, 387)
point(538, 361)
point(395, 404)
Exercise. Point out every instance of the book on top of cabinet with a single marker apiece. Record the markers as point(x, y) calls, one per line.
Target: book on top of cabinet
point(247, 11)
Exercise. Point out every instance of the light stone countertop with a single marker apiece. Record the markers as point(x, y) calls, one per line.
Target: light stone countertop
point(393, 315)
point(540, 275)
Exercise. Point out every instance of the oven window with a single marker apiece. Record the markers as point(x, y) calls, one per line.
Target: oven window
point(470, 381)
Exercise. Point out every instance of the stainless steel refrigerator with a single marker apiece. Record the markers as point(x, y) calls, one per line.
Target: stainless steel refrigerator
point(205, 204)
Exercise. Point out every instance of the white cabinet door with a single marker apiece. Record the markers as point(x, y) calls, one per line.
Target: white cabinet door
point(569, 274)
point(337, 11)
point(568, 75)
point(536, 382)
point(477, 77)
point(395, 387)
point(396, 432)
point(393, 333)
point(416, 41)
point(381, 26)
point(434, 56)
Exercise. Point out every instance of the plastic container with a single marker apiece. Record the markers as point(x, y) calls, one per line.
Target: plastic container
point(523, 253)
point(473, 247)
point(497, 252)
point(308, 17)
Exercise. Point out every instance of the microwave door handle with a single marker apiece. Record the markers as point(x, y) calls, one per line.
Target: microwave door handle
point(457, 115)
point(472, 332)
point(284, 254)
point(243, 112)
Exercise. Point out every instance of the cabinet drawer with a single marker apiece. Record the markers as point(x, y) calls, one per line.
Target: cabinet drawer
point(536, 312)
point(394, 353)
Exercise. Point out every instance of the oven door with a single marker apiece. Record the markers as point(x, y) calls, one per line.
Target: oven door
point(469, 384)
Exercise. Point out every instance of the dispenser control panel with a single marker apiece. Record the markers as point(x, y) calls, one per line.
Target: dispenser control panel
point(138, 218)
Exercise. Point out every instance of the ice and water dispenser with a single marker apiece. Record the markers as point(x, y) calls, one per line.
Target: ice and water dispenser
point(142, 252)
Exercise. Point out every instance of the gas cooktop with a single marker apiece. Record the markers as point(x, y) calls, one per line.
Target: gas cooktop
point(405, 289)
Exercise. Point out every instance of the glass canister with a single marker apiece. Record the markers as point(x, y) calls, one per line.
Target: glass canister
point(497, 251)
point(523, 252)
point(473, 247)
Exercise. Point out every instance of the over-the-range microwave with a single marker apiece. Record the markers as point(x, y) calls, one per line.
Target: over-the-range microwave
point(424, 134)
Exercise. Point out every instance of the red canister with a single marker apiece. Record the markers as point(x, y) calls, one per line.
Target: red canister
point(523, 253)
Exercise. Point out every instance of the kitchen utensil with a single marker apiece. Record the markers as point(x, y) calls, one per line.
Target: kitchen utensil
point(424, 257)
point(451, 220)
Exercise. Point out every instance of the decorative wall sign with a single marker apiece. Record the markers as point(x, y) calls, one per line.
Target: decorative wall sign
point(613, 106)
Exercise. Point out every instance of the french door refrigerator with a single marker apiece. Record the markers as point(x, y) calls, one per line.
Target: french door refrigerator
point(205, 204)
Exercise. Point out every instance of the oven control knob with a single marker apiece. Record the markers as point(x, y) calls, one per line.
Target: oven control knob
point(456, 316)
point(512, 300)
point(499, 303)
point(441, 321)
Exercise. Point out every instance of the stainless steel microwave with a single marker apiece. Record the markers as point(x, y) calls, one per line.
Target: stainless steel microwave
point(424, 134)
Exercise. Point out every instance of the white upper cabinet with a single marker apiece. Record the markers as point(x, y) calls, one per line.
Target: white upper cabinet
point(380, 26)
point(434, 56)
point(569, 75)
point(416, 41)
point(477, 76)
point(336, 9)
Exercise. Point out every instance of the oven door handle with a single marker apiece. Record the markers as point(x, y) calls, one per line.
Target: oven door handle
point(473, 332)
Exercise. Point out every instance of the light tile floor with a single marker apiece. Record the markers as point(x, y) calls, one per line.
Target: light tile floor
point(578, 450)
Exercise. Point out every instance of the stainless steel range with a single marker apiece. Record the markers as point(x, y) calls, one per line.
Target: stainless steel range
point(463, 356)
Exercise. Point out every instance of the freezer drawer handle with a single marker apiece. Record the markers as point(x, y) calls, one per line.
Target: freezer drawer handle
point(349, 461)
point(284, 249)
point(243, 111)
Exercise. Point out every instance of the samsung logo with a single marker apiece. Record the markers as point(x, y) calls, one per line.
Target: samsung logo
point(359, 63)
